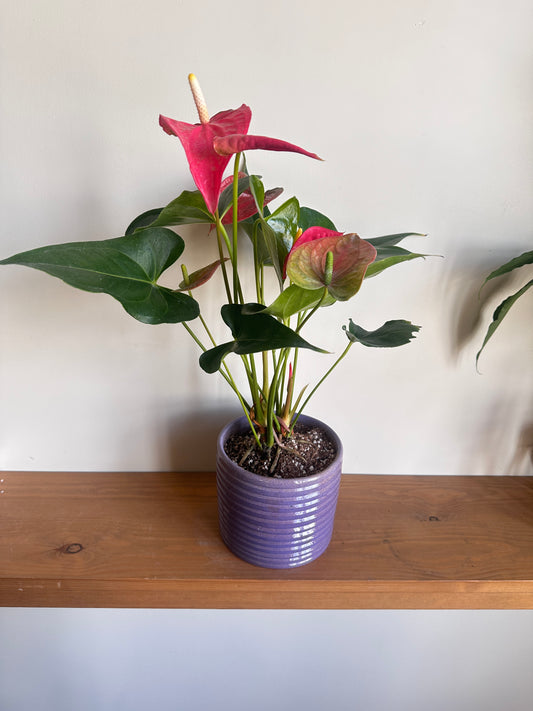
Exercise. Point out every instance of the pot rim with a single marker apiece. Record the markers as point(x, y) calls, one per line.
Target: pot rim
point(241, 423)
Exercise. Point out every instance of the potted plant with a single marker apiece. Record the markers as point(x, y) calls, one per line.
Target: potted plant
point(278, 471)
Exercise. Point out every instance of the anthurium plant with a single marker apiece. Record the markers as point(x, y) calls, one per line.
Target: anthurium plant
point(315, 265)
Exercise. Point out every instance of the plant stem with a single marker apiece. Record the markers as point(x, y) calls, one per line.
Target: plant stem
point(235, 226)
point(313, 310)
point(229, 379)
point(223, 263)
point(313, 391)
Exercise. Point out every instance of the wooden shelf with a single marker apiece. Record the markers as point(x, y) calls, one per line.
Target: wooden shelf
point(151, 540)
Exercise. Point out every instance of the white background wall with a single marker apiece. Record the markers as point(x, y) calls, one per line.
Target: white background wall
point(423, 112)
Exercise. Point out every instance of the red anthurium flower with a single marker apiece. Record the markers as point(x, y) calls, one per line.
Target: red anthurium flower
point(306, 262)
point(210, 144)
point(246, 202)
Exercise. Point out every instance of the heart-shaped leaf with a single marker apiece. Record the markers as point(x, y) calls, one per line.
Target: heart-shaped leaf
point(391, 335)
point(254, 331)
point(126, 268)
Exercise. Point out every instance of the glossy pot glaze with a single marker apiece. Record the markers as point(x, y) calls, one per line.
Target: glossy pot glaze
point(276, 523)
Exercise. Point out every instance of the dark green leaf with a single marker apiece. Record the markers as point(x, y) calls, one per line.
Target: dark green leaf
point(126, 268)
point(254, 332)
point(187, 209)
point(521, 261)
point(143, 220)
point(501, 312)
point(390, 335)
point(313, 218)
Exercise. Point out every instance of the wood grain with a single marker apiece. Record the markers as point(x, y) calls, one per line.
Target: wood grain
point(151, 540)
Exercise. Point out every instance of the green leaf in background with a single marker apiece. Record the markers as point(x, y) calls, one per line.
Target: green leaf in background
point(515, 263)
point(502, 311)
point(143, 220)
point(225, 200)
point(126, 268)
point(313, 218)
point(254, 331)
point(294, 299)
point(391, 335)
point(187, 209)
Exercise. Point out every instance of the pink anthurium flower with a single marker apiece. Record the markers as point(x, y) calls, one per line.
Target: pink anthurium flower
point(246, 206)
point(306, 262)
point(210, 144)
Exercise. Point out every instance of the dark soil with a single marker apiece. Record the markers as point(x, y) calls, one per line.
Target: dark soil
point(307, 452)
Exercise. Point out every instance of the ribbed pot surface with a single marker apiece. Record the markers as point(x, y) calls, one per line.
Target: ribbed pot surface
point(276, 523)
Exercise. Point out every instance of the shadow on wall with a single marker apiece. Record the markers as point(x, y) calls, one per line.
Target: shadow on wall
point(190, 439)
point(507, 429)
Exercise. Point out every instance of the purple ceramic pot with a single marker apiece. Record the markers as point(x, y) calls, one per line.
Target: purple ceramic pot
point(276, 523)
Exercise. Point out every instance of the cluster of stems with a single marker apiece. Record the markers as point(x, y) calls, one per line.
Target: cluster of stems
point(272, 408)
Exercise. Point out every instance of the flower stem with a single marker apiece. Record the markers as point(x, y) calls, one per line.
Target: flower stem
point(235, 227)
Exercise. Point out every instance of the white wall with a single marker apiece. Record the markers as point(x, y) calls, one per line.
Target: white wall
point(423, 112)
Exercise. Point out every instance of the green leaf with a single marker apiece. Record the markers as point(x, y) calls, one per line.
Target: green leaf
point(515, 263)
point(391, 240)
point(294, 299)
point(258, 191)
point(501, 312)
point(143, 220)
point(126, 268)
point(390, 335)
point(279, 230)
point(284, 222)
point(388, 254)
point(187, 209)
point(313, 218)
point(254, 332)
point(389, 257)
